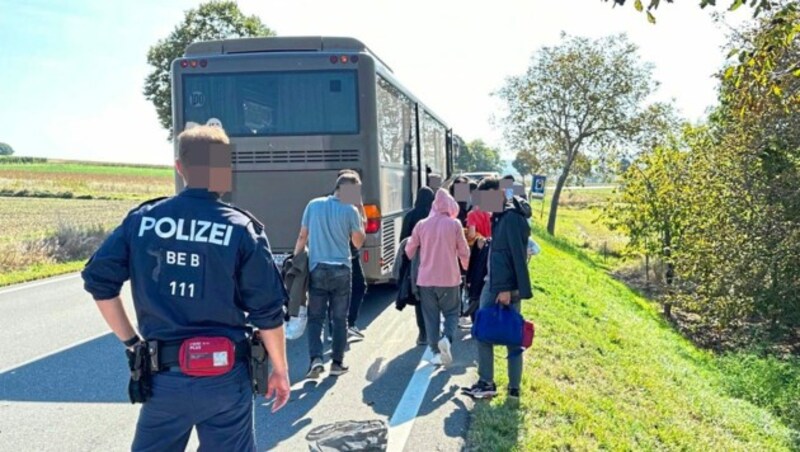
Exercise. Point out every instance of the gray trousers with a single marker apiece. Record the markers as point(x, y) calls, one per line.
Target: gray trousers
point(438, 301)
point(486, 351)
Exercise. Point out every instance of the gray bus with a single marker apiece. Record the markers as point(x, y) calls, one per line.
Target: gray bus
point(298, 110)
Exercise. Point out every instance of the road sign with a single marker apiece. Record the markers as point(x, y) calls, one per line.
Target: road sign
point(537, 188)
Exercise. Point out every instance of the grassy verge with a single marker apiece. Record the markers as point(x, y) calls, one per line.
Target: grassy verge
point(40, 271)
point(606, 372)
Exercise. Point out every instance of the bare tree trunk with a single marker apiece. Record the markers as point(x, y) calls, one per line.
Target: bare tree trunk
point(551, 221)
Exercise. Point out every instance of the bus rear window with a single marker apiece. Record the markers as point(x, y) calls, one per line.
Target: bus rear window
point(274, 103)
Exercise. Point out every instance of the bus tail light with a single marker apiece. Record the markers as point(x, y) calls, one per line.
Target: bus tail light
point(373, 218)
point(334, 59)
point(365, 256)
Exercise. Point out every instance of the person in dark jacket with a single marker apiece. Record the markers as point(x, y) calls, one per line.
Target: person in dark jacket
point(507, 282)
point(421, 210)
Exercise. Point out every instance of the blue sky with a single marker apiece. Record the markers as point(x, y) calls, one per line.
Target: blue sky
point(71, 73)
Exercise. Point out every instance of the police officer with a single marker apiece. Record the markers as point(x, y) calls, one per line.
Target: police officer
point(199, 268)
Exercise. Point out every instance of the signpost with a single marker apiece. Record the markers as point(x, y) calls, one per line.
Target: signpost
point(537, 190)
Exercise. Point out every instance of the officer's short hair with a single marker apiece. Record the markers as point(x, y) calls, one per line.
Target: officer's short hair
point(349, 178)
point(190, 139)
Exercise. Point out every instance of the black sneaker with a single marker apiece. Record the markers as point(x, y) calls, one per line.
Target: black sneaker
point(338, 369)
point(513, 395)
point(315, 369)
point(422, 340)
point(481, 390)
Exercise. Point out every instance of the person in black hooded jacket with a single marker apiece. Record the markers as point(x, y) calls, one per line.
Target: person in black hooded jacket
point(421, 210)
point(507, 282)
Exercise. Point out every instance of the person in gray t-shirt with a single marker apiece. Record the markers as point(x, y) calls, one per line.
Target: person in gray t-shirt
point(329, 226)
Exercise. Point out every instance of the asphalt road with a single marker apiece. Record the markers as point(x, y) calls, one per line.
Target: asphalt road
point(63, 379)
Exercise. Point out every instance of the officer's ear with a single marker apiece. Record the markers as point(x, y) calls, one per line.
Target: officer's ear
point(179, 168)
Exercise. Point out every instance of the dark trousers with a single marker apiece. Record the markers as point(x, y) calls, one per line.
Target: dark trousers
point(220, 407)
point(329, 290)
point(359, 289)
point(420, 320)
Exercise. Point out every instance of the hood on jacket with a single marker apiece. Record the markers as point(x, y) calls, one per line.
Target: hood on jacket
point(521, 206)
point(445, 204)
point(517, 205)
point(424, 200)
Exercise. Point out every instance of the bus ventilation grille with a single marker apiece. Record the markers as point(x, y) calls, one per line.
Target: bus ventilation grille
point(387, 244)
point(296, 156)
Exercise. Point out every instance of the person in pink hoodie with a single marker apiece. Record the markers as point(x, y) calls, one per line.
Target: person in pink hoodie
point(442, 247)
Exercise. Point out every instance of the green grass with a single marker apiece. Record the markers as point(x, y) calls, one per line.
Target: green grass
point(606, 372)
point(578, 222)
point(88, 168)
point(93, 180)
point(39, 271)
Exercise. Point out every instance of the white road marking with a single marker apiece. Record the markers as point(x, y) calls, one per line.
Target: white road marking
point(40, 283)
point(405, 414)
point(48, 354)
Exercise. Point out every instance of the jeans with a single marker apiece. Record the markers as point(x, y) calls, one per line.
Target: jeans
point(221, 407)
point(420, 320)
point(438, 301)
point(359, 289)
point(329, 289)
point(486, 351)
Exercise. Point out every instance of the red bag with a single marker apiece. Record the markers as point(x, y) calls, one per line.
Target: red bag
point(207, 356)
point(528, 331)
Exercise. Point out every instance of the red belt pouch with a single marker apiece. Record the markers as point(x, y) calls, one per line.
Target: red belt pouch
point(207, 356)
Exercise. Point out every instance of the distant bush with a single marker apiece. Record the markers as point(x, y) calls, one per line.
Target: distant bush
point(71, 242)
point(768, 382)
point(67, 243)
point(25, 193)
point(6, 149)
point(7, 159)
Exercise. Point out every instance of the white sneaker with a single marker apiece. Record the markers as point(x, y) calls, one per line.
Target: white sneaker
point(436, 360)
point(444, 351)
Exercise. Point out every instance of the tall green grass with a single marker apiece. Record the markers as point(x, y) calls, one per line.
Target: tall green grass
point(606, 372)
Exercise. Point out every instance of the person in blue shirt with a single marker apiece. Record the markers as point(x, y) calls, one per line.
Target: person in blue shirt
point(328, 227)
point(198, 267)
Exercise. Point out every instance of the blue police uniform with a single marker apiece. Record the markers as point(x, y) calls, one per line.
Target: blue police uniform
point(198, 267)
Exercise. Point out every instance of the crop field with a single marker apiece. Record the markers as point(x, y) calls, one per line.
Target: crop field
point(97, 181)
point(54, 213)
point(24, 219)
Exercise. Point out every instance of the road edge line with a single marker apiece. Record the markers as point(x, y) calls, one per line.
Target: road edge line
point(402, 420)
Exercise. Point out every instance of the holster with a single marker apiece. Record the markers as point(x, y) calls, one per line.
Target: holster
point(259, 364)
point(140, 386)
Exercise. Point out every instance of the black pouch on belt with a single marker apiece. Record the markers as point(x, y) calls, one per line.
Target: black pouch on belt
point(259, 365)
point(140, 386)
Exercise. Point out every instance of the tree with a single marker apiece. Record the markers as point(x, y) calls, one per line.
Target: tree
point(210, 21)
point(759, 5)
point(754, 62)
point(477, 156)
point(578, 100)
point(526, 163)
point(6, 149)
